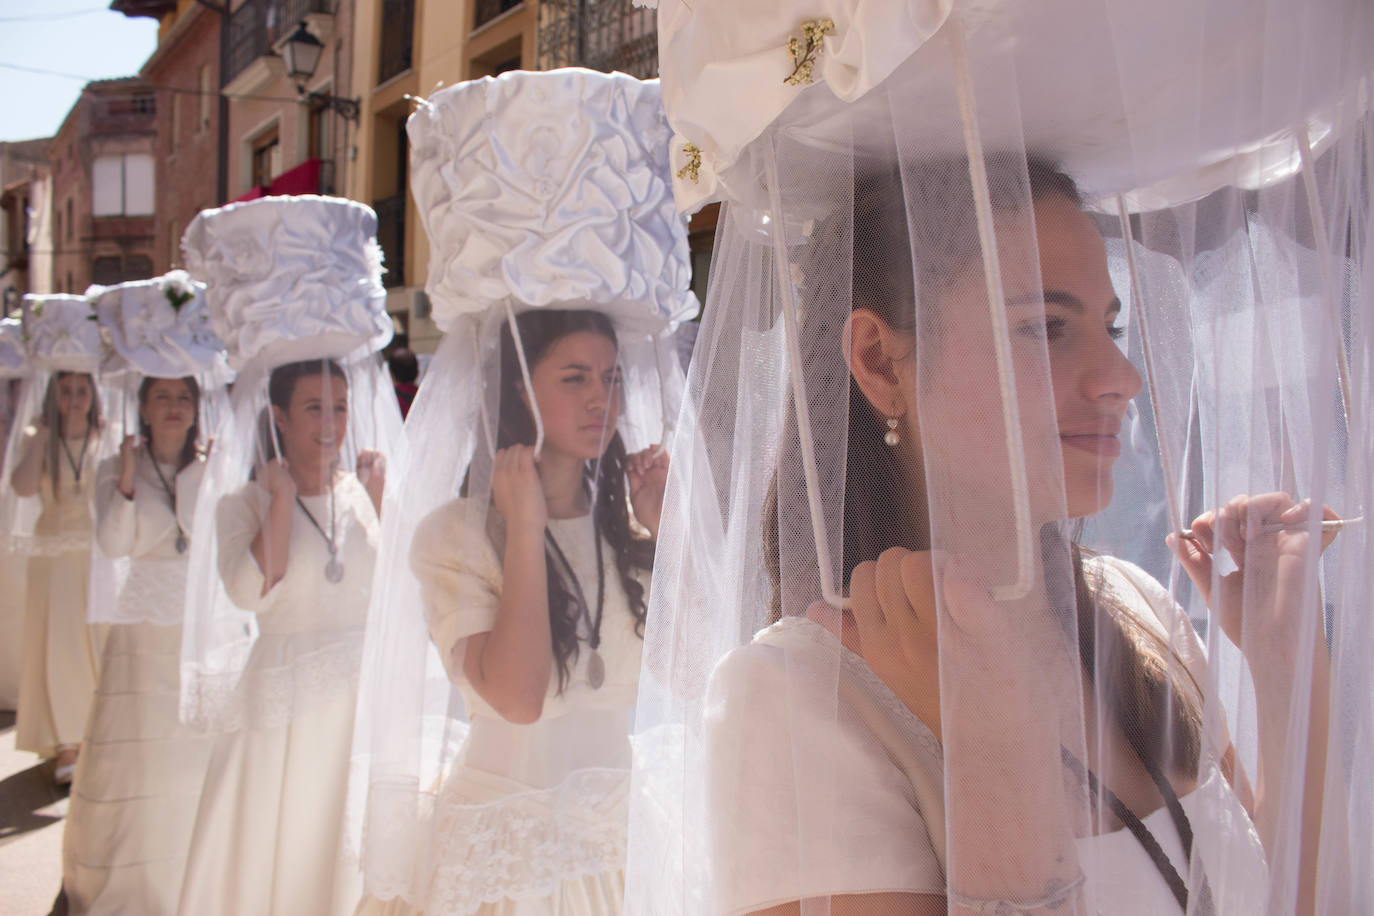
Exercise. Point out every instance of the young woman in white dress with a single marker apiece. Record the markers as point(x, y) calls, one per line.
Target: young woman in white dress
point(885, 671)
point(61, 661)
point(134, 798)
point(502, 662)
point(1145, 725)
point(538, 614)
point(296, 547)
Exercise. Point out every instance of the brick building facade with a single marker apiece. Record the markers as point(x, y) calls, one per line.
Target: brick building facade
point(104, 186)
point(184, 71)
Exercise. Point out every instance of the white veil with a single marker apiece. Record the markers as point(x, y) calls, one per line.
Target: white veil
point(543, 194)
point(157, 328)
point(904, 159)
point(288, 279)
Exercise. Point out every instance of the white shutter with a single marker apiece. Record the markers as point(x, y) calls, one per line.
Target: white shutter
point(107, 186)
point(138, 184)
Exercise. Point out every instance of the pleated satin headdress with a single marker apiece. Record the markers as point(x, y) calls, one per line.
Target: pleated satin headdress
point(287, 280)
point(58, 334)
point(544, 195)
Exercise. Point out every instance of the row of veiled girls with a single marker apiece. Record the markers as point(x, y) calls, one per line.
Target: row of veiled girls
point(909, 387)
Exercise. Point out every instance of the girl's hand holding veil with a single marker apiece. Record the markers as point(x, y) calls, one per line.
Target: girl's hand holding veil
point(989, 679)
point(1270, 607)
point(518, 492)
point(647, 473)
point(1260, 605)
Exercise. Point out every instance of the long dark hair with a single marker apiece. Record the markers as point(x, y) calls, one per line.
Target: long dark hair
point(1149, 691)
point(191, 446)
point(540, 329)
point(53, 419)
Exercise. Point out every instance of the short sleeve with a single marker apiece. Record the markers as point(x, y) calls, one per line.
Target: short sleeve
point(803, 799)
point(116, 528)
point(238, 519)
point(460, 578)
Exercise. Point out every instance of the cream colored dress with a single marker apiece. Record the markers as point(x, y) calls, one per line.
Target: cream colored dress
point(268, 838)
point(139, 776)
point(876, 839)
point(532, 819)
point(61, 662)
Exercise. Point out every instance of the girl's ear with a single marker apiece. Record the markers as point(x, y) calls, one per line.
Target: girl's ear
point(279, 417)
point(872, 350)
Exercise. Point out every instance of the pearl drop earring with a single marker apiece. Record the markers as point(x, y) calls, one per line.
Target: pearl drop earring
point(892, 438)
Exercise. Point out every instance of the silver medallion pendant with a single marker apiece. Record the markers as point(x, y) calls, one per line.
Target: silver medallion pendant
point(181, 542)
point(596, 670)
point(333, 570)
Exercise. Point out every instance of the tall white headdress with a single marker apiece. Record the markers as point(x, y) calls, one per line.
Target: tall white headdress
point(158, 328)
point(287, 279)
point(540, 192)
point(906, 160)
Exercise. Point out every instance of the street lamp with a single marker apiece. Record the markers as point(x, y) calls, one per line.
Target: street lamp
point(301, 54)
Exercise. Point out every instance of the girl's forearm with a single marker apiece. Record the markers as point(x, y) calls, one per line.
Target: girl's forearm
point(514, 660)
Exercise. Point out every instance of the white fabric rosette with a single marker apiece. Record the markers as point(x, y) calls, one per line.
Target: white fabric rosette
point(62, 333)
point(290, 278)
point(162, 327)
point(548, 191)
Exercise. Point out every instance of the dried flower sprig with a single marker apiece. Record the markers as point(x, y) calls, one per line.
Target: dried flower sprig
point(805, 51)
point(692, 170)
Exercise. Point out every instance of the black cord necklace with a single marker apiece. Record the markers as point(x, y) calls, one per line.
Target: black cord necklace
point(1137, 827)
point(333, 570)
point(596, 666)
point(77, 464)
point(181, 541)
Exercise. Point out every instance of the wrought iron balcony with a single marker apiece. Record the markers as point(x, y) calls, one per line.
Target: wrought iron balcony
point(598, 34)
point(256, 24)
point(487, 10)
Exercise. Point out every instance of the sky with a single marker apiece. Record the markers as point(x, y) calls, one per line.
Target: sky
point(80, 37)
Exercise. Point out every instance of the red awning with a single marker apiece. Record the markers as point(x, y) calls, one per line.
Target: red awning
point(303, 179)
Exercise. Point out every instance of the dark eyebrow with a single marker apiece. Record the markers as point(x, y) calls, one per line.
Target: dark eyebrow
point(1060, 298)
point(578, 366)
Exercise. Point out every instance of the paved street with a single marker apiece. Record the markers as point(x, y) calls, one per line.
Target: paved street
point(31, 817)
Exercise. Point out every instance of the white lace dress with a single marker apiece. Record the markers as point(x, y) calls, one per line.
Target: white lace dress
point(876, 839)
point(532, 819)
point(268, 836)
point(140, 771)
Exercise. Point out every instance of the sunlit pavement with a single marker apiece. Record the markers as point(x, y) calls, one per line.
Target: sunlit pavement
point(32, 810)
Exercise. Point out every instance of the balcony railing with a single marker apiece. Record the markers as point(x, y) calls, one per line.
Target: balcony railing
point(598, 34)
point(124, 114)
point(398, 38)
point(291, 12)
point(391, 235)
point(247, 37)
point(256, 24)
point(487, 10)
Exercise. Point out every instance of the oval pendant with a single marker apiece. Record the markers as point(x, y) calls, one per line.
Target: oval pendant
point(333, 570)
point(181, 542)
point(596, 670)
